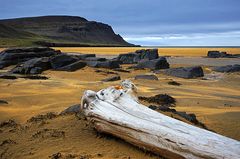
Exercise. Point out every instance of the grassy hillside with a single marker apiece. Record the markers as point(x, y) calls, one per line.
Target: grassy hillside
point(58, 31)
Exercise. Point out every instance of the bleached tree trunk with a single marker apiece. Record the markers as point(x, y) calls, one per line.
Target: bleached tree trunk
point(116, 111)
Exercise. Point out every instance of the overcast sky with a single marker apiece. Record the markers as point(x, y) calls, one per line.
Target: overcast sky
point(147, 22)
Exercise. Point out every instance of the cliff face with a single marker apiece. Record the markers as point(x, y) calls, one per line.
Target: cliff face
point(67, 29)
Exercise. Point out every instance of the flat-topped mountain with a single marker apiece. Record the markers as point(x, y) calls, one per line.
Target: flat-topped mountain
point(61, 30)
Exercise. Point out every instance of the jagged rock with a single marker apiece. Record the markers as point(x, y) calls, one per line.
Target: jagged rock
point(218, 54)
point(160, 99)
point(110, 79)
point(84, 56)
point(131, 58)
point(17, 55)
point(104, 64)
point(95, 59)
point(160, 63)
point(7, 63)
point(33, 66)
point(128, 58)
point(73, 66)
point(71, 110)
point(228, 68)
point(185, 72)
point(62, 60)
point(147, 77)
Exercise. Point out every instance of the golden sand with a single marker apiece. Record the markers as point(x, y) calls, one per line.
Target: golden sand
point(216, 103)
point(162, 51)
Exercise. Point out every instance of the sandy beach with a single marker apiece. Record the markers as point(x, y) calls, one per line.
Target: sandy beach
point(215, 102)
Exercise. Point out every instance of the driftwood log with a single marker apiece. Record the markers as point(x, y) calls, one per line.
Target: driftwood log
point(116, 110)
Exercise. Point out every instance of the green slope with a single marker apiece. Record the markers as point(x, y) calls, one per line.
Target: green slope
point(58, 31)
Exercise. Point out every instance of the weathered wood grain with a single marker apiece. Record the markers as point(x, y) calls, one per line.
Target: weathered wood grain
point(115, 110)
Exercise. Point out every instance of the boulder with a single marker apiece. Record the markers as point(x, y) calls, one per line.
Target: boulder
point(62, 60)
point(185, 72)
point(71, 110)
point(146, 77)
point(7, 63)
point(149, 54)
point(104, 64)
point(110, 79)
point(228, 68)
point(73, 66)
point(33, 66)
point(216, 54)
point(160, 63)
point(95, 59)
point(84, 56)
point(159, 99)
point(131, 58)
point(17, 55)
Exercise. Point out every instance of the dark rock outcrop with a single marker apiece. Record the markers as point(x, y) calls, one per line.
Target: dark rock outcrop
point(62, 60)
point(33, 66)
point(131, 58)
point(95, 59)
point(17, 55)
point(160, 99)
point(111, 79)
point(146, 77)
point(228, 68)
point(73, 66)
point(160, 63)
point(185, 72)
point(189, 117)
point(218, 54)
point(104, 64)
point(71, 110)
point(83, 56)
